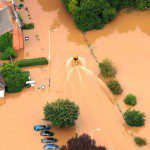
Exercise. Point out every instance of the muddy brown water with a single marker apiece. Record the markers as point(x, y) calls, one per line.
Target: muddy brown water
point(125, 41)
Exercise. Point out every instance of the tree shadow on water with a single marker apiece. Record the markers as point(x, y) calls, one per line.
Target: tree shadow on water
point(62, 19)
point(125, 21)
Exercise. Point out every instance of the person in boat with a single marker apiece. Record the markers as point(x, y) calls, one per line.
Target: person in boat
point(76, 61)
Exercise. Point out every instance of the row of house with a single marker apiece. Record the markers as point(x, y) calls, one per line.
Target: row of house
point(9, 22)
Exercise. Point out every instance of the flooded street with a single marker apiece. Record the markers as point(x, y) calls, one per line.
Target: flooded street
point(126, 41)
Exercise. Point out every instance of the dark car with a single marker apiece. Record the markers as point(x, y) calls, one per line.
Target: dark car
point(46, 133)
point(49, 140)
point(51, 147)
point(41, 127)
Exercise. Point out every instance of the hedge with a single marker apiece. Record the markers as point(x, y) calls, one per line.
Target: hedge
point(32, 62)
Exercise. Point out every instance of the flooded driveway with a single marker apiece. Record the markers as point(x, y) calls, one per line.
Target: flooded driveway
point(125, 41)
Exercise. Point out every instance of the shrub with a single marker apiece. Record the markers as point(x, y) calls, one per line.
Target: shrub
point(62, 113)
point(83, 142)
point(5, 41)
point(107, 69)
point(8, 54)
point(140, 141)
point(21, 5)
point(15, 78)
point(32, 62)
point(28, 26)
point(130, 99)
point(134, 118)
point(115, 87)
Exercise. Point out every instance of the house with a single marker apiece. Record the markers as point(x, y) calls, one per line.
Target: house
point(9, 21)
point(2, 86)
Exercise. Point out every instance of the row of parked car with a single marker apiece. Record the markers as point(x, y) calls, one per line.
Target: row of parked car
point(49, 140)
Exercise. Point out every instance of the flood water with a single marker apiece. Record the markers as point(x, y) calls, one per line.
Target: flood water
point(125, 41)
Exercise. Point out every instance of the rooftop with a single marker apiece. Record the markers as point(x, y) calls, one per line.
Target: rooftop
point(5, 20)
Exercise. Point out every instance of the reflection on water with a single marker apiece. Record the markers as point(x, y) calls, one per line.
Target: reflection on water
point(124, 23)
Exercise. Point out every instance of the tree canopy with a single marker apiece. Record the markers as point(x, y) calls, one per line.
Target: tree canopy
point(61, 113)
point(83, 142)
point(94, 14)
point(14, 77)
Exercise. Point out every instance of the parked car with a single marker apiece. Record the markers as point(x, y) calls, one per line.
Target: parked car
point(51, 147)
point(41, 127)
point(46, 133)
point(49, 140)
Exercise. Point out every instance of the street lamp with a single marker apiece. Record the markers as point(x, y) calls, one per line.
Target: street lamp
point(49, 57)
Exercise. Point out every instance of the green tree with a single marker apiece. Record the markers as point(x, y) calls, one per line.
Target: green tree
point(61, 113)
point(107, 68)
point(8, 54)
point(15, 78)
point(130, 99)
point(94, 14)
point(72, 6)
point(5, 41)
point(140, 141)
point(134, 118)
point(115, 87)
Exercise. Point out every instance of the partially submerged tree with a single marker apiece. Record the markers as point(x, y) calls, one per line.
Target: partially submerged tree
point(115, 87)
point(134, 118)
point(94, 14)
point(140, 141)
point(61, 113)
point(14, 77)
point(5, 41)
point(130, 99)
point(9, 53)
point(83, 142)
point(107, 68)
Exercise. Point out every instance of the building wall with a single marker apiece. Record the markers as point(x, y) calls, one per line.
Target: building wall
point(18, 40)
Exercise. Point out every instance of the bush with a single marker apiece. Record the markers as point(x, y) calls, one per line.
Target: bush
point(21, 5)
point(8, 54)
point(134, 118)
point(28, 26)
point(130, 99)
point(107, 69)
point(83, 142)
point(94, 14)
point(115, 87)
point(5, 41)
point(15, 78)
point(32, 62)
point(140, 141)
point(62, 113)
